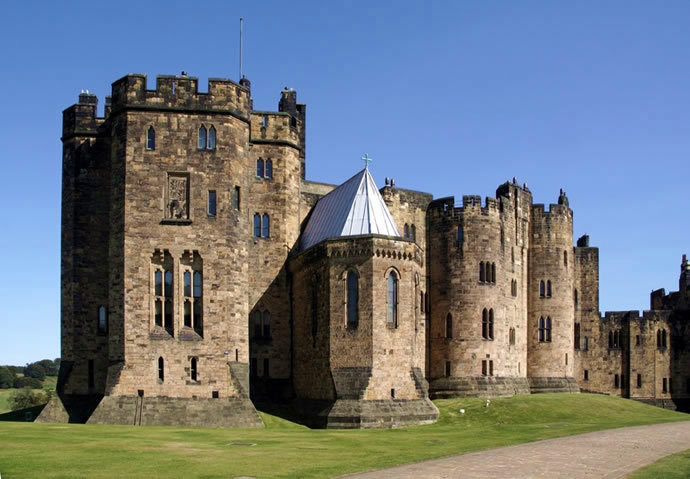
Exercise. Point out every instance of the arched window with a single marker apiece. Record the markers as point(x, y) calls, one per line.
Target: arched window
point(548, 329)
point(168, 284)
point(193, 369)
point(197, 287)
point(449, 326)
point(541, 289)
point(266, 331)
point(161, 370)
point(352, 300)
point(151, 139)
point(460, 237)
point(548, 288)
point(211, 138)
point(269, 168)
point(260, 168)
point(406, 233)
point(491, 324)
point(485, 324)
point(392, 319)
point(658, 338)
point(493, 272)
point(542, 330)
point(413, 233)
point(102, 320)
point(663, 338)
point(257, 225)
point(266, 227)
point(482, 276)
point(202, 138)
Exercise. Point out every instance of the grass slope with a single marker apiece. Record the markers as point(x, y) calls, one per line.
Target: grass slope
point(284, 449)
point(675, 466)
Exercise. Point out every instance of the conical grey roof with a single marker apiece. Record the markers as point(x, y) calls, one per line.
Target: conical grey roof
point(353, 208)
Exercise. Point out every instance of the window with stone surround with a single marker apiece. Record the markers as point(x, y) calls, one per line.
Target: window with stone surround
point(639, 380)
point(577, 336)
point(177, 197)
point(511, 336)
point(212, 203)
point(352, 301)
point(544, 329)
point(406, 231)
point(262, 225)
point(261, 326)
point(449, 326)
point(586, 344)
point(491, 324)
point(260, 168)
point(664, 385)
point(565, 258)
point(211, 144)
point(485, 324)
point(269, 169)
point(413, 232)
point(191, 266)
point(447, 369)
point(548, 288)
point(548, 329)
point(102, 320)
point(161, 370)
point(202, 138)
point(482, 272)
point(193, 371)
point(151, 139)
point(484, 367)
point(392, 317)
point(162, 291)
point(315, 280)
point(542, 289)
point(616, 381)
point(586, 375)
point(236, 198)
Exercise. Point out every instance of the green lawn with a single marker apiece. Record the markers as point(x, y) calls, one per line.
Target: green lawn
point(676, 466)
point(284, 449)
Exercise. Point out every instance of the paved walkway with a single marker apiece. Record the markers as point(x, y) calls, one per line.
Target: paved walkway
point(603, 454)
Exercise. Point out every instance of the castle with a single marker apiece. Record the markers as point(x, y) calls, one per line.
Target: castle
point(202, 272)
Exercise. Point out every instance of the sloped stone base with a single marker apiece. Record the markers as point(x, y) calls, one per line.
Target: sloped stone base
point(69, 408)
point(553, 385)
point(450, 387)
point(167, 411)
point(361, 414)
point(157, 411)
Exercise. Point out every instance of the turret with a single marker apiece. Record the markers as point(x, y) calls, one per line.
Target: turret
point(684, 281)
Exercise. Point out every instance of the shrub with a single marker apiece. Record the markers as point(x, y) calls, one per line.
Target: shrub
point(21, 382)
point(24, 398)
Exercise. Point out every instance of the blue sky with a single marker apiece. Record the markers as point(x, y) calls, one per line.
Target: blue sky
point(451, 98)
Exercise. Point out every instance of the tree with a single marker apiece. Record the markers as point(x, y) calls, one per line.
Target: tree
point(6, 378)
point(49, 366)
point(35, 370)
point(25, 398)
point(21, 382)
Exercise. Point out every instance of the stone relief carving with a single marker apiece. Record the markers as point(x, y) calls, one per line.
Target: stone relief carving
point(178, 197)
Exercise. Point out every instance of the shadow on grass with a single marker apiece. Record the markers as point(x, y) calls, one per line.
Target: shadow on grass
point(28, 414)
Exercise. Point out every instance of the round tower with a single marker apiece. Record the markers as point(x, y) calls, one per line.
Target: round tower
point(477, 335)
point(551, 316)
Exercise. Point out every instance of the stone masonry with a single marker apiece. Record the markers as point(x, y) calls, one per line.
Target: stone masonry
point(186, 298)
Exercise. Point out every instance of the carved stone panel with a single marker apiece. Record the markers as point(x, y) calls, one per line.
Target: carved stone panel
point(177, 201)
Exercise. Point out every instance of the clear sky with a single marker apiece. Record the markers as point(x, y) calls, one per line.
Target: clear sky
point(451, 98)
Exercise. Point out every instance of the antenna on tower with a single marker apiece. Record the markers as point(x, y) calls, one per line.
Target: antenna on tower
point(241, 24)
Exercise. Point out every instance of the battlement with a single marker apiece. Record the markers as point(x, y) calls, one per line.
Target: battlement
point(81, 119)
point(271, 126)
point(181, 93)
point(620, 315)
point(539, 211)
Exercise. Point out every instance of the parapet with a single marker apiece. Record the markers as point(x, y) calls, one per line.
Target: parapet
point(81, 118)
point(181, 93)
point(274, 127)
